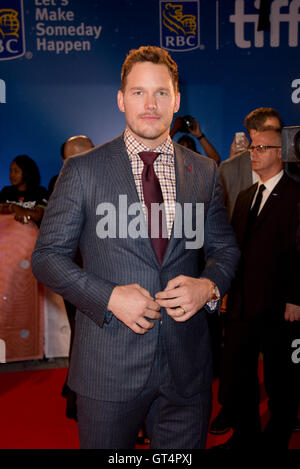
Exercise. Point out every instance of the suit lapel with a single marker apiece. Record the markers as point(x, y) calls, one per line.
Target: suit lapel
point(184, 177)
point(120, 172)
point(122, 181)
point(121, 178)
point(272, 202)
point(184, 184)
point(241, 213)
point(240, 221)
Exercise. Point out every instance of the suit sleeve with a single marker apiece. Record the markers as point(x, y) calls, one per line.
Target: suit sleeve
point(53, 258)
point(222, 178)
point(220, 246)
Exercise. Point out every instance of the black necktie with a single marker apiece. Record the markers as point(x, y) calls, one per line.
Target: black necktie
point(153, 195)
point(255, 209)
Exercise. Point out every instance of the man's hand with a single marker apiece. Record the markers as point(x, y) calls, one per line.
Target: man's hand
point(292, 312)
point(133, 305)
point(184, 296)
point(24, 215)
point(176, 126)
point(20, 213)
point(15, 209)
point(195, 129)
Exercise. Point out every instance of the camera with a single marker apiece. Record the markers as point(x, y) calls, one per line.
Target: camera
point(291, 144)
point(290, 153)
point(186, 124)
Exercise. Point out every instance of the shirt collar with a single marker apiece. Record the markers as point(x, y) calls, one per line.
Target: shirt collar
point(133, 146)
point(271, 183)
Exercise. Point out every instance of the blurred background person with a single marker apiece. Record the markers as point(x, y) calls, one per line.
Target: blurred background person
point(71, 147)
point(25, 198)
point(190, 125)
point(188, 142)
point(236, 172)
point(262, 303)
point(21, 207)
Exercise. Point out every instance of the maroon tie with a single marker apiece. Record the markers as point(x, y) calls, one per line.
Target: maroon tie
point(153, 195)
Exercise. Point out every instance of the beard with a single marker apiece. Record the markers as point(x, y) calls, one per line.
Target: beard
point(150, 131)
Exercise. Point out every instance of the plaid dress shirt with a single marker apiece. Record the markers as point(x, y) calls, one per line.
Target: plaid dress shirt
point(164, 167)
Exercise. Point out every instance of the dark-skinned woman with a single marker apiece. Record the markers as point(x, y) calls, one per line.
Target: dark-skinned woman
point(25, 198)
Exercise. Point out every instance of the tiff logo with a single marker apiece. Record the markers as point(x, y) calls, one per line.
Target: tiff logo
point(2, 92)
point(292, 17)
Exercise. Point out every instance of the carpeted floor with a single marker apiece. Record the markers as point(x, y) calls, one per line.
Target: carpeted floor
point(32, 412)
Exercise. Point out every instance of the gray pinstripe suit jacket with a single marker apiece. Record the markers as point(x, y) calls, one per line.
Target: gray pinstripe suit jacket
point(109, 361)
point(235, 175)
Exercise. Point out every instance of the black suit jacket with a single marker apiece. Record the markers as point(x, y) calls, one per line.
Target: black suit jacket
point(268, 274)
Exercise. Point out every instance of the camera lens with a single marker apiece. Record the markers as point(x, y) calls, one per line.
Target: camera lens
point(297, 144)
point(188, 120)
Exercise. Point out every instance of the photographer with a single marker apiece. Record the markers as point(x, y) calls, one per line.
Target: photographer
point(188, 124)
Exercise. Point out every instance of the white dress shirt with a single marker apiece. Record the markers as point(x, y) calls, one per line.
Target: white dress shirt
point(269, 186)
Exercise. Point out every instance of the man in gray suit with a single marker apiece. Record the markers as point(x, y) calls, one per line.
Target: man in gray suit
point(236, 173)
point(141, 348)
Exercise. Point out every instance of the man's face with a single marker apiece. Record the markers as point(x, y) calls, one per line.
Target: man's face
point(266, 163)
point(149, 102)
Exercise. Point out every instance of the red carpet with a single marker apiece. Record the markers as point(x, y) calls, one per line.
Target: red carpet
point(32, 412)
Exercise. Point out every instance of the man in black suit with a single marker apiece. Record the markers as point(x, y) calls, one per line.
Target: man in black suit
point(263, 301)
point(236, 173)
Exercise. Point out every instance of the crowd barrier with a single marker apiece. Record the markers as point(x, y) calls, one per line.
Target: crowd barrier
point(33, 319)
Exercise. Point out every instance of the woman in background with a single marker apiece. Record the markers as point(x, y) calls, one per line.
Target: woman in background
point(22, 298)
point(25, 198)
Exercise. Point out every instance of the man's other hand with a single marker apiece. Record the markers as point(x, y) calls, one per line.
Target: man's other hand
point(292, 312)
point(134, 306)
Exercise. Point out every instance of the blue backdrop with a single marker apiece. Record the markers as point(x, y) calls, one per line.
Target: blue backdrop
point(60, 63)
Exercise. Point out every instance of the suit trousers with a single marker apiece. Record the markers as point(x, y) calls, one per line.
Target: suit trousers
point(239, 384)
point(172, 421)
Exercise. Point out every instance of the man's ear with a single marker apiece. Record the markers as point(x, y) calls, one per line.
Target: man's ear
point(177, 102)
point(121, 101)
point(279, 153)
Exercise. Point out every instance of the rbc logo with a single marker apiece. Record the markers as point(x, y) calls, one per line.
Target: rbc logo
point(179, 25)
point(12, 38)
